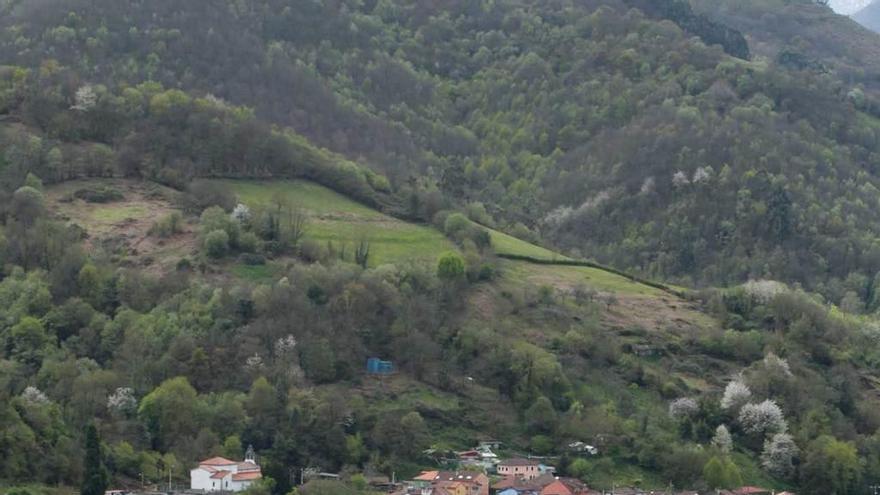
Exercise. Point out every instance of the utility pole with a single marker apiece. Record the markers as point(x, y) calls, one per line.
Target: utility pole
point(169, 477)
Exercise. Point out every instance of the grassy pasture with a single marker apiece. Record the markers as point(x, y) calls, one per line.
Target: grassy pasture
point(342, 221)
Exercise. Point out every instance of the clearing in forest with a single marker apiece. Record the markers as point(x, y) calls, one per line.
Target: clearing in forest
point(334, 218)
point(116, 216)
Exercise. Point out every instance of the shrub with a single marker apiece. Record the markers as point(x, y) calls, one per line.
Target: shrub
point(252, 259)
point(215, 218)
point(217, 243)
point(98, 194)
point(450, 266)
point(168, 225)
point(248, 242)
point(311, 251)
point(202, 194)
point(476, 211)
point(275, 248)
point(541, 444)
point(455, 223)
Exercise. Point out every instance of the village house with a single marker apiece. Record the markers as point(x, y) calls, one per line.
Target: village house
point(545, 484)
point(481, 458)
point(451, 483)
point(219, 474)
point(521, 468)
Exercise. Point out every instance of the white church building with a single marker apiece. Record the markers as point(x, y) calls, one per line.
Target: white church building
point(219, 474)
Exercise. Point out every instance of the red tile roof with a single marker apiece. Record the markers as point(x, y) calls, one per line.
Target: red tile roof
point(247, 466)
point(219, 475)
point(556, 488)
point(247, 476)
point(427, 476)
point(217, 461)
point(534, 484)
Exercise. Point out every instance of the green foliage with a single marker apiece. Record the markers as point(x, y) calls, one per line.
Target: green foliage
point(831, 466)
point(319, 361)
point(329, 219)
point(171, 412)
point(29, 340)
point(450, 266)
point(95, 480)
point(216, 243)
point(581, 124)
point(168, 225)
point(99, 194)
point(722, 473)
point(27, 205)
point(455, 224)
point(33, 181)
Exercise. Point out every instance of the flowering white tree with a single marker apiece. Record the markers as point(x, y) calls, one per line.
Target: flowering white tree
point(648, 185)
point(702, 174)
point(778, 455)
point(762, 418)
point(254, 363)
point(285, 346)
point(680, 179)
point(558, 216)
point(34, 396)
point(122, 401)
point(722, 439)
point(85, 98)
point(682, 408)
point(763, 291)
point(736, 395)
point(241, 213)
point(774, 363)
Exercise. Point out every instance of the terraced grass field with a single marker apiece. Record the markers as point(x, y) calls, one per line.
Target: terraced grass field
point(507, 244)
point(571, 276)
point(342, 221)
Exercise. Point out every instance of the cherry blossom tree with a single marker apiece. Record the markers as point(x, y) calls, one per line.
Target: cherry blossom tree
point(736, 395)
point(722, 439)
point(778, 455)
point(762, 418)
point(683, 408)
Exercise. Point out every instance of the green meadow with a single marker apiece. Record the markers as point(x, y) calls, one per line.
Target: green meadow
point(334, 218)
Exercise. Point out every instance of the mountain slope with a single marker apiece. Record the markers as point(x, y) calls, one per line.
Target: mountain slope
point(547, 116)
point(614, 134)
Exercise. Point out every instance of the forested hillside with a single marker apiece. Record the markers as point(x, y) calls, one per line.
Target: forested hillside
point(600, 128)
point(214, 212)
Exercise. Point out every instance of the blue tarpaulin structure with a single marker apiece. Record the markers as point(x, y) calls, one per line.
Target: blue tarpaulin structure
point(379, 367)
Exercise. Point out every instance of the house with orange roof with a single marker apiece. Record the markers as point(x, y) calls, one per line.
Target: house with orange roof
point(556, 488)
point(219, 474)
point(451, 483)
